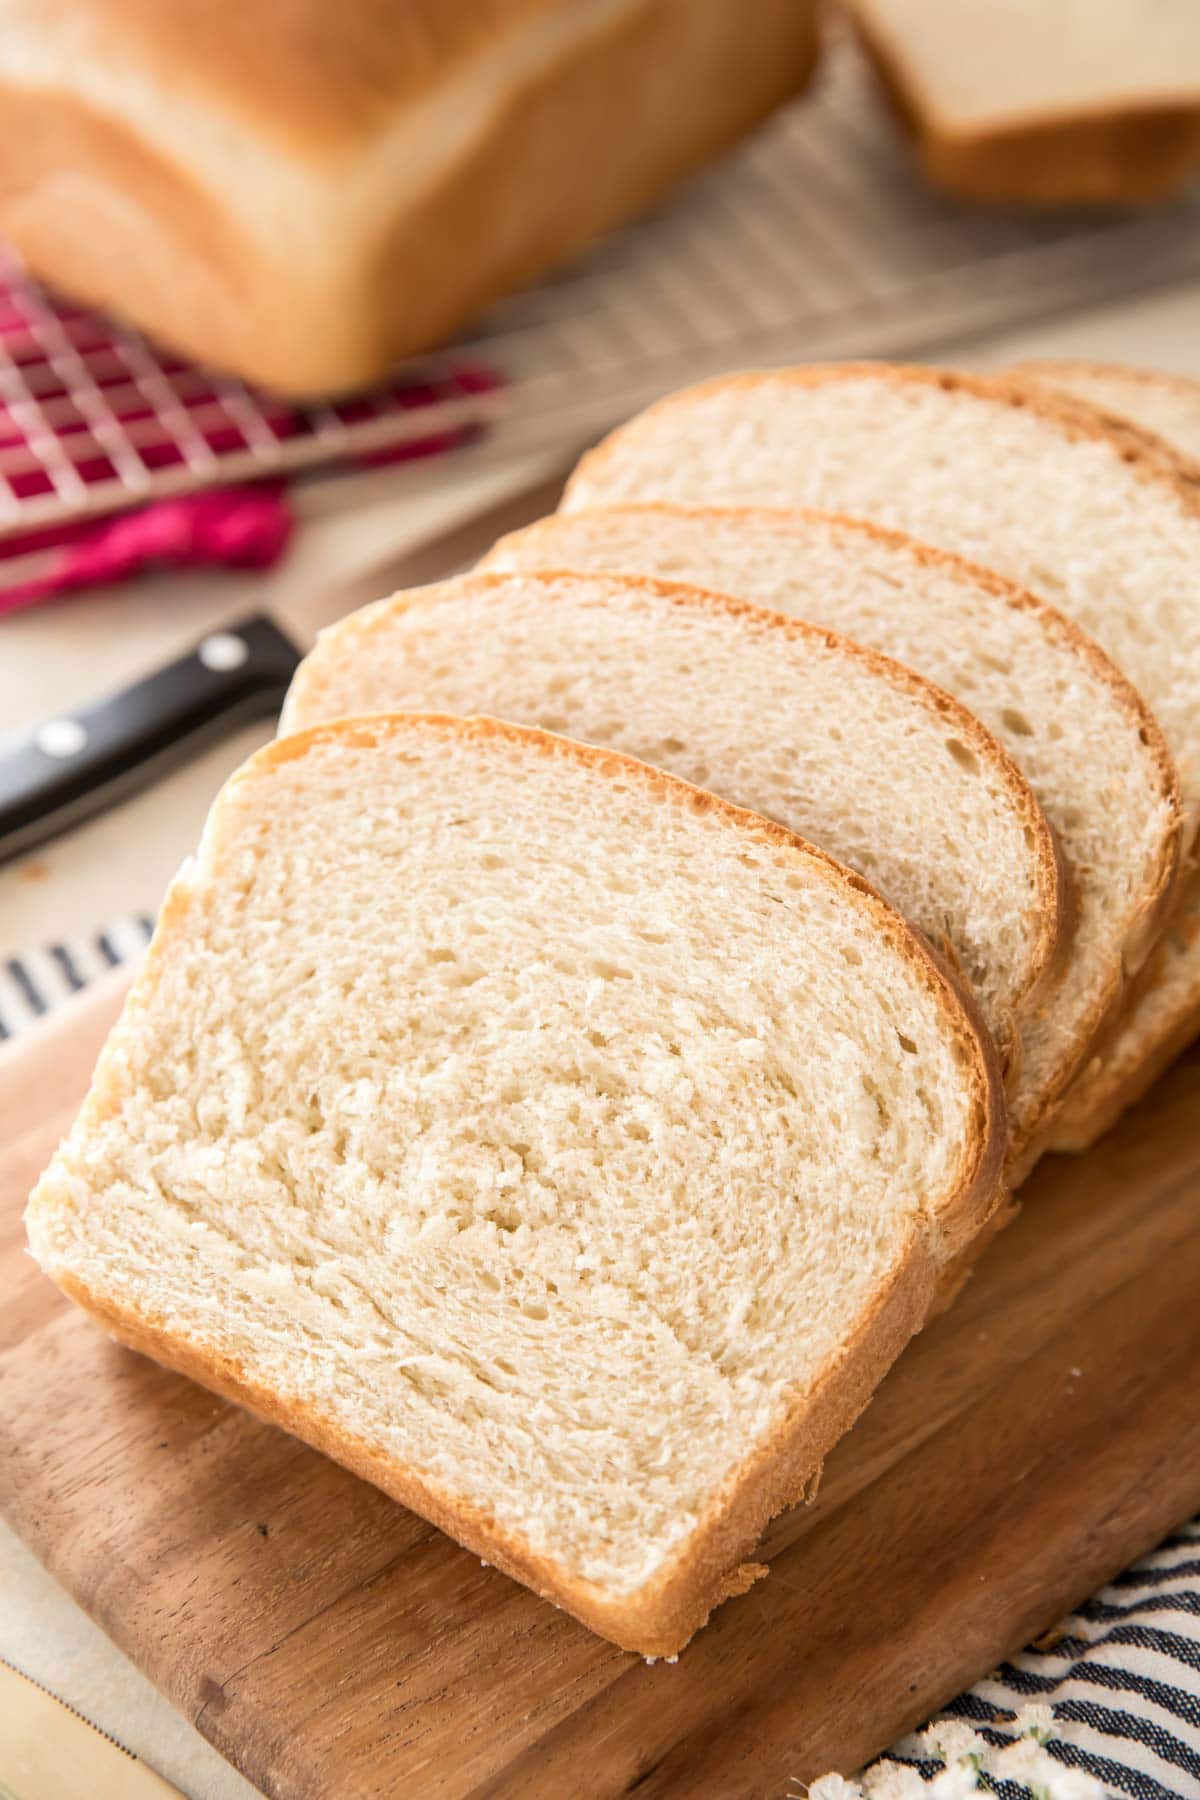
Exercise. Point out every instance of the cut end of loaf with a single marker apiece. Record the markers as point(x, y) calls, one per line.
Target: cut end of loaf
point(564, 1150)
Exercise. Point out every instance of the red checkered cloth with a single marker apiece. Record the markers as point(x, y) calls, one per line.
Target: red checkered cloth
point(93, 416)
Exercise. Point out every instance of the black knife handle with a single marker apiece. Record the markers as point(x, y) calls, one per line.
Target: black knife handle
point(80, 763)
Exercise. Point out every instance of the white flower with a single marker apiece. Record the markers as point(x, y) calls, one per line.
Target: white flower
point(1037, 1721)
point(965, 1755)
point(893, 1781)
point(1075, 1784)
point(957, 1782)
point(1025, 1760)
point(834, 1787)
point(1029, 1763)
point(949, 1740)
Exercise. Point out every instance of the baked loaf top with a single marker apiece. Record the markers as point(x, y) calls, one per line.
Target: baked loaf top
point(555, 1144)
point(319, 80)
point(838, 743)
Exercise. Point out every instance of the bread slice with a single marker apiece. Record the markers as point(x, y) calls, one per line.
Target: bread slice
point(1040, 101)
point(557, 1146)
point(1166, 406)
point(839, 744)
point(1163, 1011)
point(1038, 487)
point(1076, 728)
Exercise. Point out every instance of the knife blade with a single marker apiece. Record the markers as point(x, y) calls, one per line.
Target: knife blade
point(48, 1750)
point(76, 764)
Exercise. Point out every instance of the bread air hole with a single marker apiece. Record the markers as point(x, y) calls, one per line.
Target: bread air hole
point(966, 758)
point(1017, 722)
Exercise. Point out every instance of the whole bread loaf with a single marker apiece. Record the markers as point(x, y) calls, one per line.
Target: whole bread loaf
point(557, 1146)
point(302, 192)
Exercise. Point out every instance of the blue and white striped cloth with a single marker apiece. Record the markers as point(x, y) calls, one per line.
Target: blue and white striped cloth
point(34, 983)
point(1122, 1678)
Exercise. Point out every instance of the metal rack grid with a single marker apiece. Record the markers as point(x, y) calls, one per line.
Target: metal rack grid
point(816, 238)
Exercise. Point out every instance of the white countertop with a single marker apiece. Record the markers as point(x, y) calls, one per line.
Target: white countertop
point(55, 656)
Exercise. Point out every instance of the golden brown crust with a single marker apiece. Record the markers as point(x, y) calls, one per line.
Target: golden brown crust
point(542, 136)
point(1130, 1052)
point(658, 1618)
point(333, 76)
point(1042, 377)
point(1047, 367)
point(1113, 156)
point(161, 250)
point(1099, 1105)
point(195, 254)
point(1054, 897)
point(1130, 1056)
point(1049, 373)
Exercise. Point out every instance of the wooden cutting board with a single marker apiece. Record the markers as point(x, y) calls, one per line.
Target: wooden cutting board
point(1034, 1440)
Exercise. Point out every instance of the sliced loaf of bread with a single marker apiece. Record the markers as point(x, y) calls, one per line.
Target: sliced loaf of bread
point(1077, 729)
point(1162, 1015)
point(1041, 488)
point(1048, 102)
point(558, 1147)
point(883, 770)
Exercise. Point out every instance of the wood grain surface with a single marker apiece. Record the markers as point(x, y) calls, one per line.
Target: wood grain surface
point(1035, 1439)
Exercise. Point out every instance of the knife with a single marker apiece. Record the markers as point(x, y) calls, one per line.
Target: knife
point(49, 1751)
point(70, 767)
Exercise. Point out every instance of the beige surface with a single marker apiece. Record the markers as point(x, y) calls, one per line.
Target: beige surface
point(122, 863)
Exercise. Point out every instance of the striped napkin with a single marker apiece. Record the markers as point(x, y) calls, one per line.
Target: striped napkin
point(1108, 1705)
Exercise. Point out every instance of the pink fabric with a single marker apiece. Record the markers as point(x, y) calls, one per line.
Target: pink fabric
point(60, 363)
point(242, 528)
point(234, 527)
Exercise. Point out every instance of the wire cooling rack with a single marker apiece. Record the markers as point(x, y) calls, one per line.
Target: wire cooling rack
point(814, 239)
